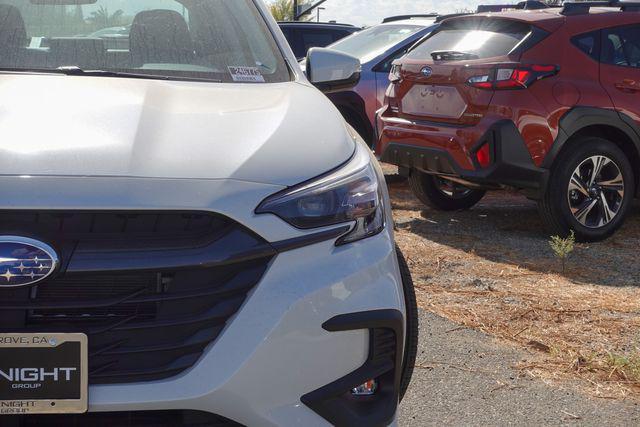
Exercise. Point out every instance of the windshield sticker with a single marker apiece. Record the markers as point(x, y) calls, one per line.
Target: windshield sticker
point(246, 74)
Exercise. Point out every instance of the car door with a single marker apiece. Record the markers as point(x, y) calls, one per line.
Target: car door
point(620, 68)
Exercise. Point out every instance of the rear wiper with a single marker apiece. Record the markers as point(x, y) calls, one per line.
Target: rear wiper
point(452, 55)
point(77, 71)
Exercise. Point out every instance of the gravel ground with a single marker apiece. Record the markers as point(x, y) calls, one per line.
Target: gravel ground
point(491, 269)
point(464, 377)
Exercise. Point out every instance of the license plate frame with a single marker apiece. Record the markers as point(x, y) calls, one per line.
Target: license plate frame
point(52, 385)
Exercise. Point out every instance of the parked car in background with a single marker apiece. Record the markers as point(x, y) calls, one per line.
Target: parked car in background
point(522, 5)
point(302, 36)
point(181, 242)
point(376, 47)
point(545, 101)
point(113, 37)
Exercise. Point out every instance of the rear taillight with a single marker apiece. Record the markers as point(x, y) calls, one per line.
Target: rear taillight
point(512, 77)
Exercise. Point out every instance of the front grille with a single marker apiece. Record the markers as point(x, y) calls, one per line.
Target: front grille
point(151, 290)
point(121, 419)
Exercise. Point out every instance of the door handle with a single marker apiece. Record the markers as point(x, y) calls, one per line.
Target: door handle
point(628, 86)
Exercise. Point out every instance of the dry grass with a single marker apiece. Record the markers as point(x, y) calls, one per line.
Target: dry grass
point(496, 273)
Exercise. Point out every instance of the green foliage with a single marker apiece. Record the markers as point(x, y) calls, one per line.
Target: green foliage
point(562, 247)
point(626, 366)
point(282, 10)
point(103, 19)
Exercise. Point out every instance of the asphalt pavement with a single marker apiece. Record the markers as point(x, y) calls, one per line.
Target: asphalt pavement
point(466, 378)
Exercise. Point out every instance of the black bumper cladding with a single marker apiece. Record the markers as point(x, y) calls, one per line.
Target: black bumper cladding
point(122, 419)
point(511, 163)
point(335, 403)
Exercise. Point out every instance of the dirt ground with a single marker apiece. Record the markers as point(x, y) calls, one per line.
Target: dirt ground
point(492, 269)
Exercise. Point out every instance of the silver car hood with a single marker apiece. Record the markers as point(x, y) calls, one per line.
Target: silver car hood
point(278, 134)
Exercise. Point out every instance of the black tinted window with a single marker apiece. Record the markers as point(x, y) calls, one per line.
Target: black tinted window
point(621, 46)
point(588, 43)
point(316, 38)
point(338, 35)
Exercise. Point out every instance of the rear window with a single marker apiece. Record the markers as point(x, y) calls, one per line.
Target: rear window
point(484, 38)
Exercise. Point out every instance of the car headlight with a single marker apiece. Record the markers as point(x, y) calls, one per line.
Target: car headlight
point(351, 193)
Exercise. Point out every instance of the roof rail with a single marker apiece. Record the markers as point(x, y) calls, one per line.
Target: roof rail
point(334, 23)
point(524, 5)
point(441, 18)
point(580, 8)
point(404, 17)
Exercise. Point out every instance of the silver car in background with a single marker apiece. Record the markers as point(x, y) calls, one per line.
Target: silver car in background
point(376, 48)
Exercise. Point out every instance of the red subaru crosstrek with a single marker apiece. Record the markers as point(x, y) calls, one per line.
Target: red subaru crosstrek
point(545, 101)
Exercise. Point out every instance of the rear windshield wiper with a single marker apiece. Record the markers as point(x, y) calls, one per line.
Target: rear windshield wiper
point(452, 55)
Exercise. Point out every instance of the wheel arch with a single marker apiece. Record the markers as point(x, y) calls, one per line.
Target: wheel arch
point(353, 109)
point(616, 127)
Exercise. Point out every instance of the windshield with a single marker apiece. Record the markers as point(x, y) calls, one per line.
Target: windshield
point(217, 40)
point(372, 42)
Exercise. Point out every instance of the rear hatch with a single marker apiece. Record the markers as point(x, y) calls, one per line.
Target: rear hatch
point(433, 79)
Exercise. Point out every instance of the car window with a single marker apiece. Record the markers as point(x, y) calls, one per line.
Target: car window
point(588, 43)
point(385, 66)
point(372, 42)
point(621, 46)
point(218, 40)
point(482, 38)
point(316, 38)
point(340, 34)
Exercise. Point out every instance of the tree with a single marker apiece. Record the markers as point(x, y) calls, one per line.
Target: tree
point(102, 19)
point(282, 10)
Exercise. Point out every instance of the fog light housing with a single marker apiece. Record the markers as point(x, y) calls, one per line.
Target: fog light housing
point(367, 389)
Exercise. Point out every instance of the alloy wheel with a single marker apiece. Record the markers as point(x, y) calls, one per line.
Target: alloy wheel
point(451, 189)
point(596, 191)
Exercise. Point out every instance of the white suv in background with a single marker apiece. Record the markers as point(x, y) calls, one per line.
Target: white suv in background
point(181, 243)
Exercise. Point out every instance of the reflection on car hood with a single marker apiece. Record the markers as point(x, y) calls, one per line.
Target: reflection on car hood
point(90, 126)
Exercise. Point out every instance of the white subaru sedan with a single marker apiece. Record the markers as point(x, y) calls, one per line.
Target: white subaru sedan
point(181, 242)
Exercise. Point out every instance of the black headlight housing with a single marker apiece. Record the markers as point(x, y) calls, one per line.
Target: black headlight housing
point(351, 193)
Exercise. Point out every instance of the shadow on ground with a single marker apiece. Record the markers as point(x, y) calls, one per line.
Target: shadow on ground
point(505, 228)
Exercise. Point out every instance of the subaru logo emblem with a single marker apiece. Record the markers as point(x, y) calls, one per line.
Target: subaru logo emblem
point(24, 261)
point(427, 71)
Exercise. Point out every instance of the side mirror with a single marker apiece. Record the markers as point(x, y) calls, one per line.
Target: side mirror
point(330, 70)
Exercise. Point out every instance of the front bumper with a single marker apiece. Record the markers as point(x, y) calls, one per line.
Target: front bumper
point(511, 163)
point(275, 350)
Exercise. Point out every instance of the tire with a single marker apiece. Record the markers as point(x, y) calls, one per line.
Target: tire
point(429, 189)
point(412, 328)
point(573, 190)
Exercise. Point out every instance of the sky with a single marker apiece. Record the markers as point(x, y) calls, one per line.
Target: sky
point(369, 12)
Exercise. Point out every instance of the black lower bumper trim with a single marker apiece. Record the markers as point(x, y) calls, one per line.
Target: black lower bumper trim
point(511, 161)
point(170, 418)
point(335, 403)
